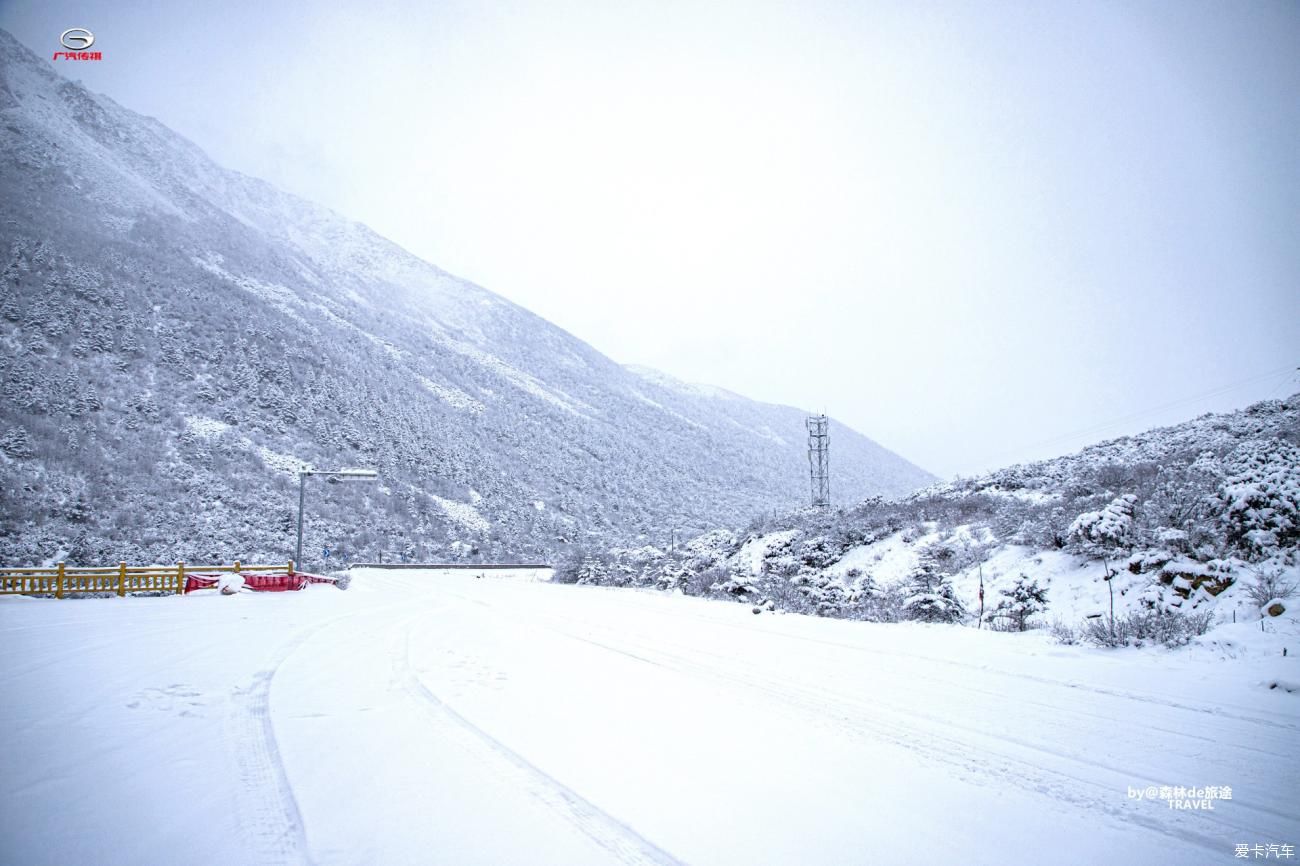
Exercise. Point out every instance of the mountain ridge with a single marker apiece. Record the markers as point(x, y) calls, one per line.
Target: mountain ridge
point(167, 321)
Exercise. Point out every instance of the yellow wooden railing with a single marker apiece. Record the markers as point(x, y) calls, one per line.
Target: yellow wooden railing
point(62, 580)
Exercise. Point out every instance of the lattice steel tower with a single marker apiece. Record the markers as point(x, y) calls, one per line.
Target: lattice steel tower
point(819, 460)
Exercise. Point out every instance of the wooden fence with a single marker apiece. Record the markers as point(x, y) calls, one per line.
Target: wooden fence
point(63, 580)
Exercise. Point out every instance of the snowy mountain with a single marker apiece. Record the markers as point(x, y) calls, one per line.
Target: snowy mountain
point(179, 338)
point(1201, 518)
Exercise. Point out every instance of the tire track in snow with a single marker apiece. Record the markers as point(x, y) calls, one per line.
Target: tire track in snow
point(268, 811)
point(832, 710)
point(1216, 716)
point(1216, 711)
point(972, 765)
point(621, 841)
point(1123, 775)
point(897, 685)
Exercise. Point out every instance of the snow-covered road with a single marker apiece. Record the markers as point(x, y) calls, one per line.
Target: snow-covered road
point(442, 718)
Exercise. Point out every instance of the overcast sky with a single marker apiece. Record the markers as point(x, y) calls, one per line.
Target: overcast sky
point(977, 233)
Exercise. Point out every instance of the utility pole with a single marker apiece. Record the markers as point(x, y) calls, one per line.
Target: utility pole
point(302, 496)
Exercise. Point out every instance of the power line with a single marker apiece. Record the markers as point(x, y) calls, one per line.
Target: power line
point(1289, 382)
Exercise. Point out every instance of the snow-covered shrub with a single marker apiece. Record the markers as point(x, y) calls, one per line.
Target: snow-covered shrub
point(735, 585)
point(1140, 628)
point(712, 547)
point(567, 570)
point(891, 605)
point(817, 553)
point(1107, 529)
point(876, 603)
point(1174, 539)
point(1064, 633)
point(642, 556)
point(1261, 497)
point(1149, 559)
point(1021, 601)
point(614, 568)
point(702, 583)
point(1030, 524)
point(1114, 475)
point(1179, 508)
point(826, 595)
point(956, 553)
point(1269, 585)
point(781, 593)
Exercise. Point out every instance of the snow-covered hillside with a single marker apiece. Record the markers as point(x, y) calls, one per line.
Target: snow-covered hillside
point(424, 717)
point(1200, 519)
point(176, 337)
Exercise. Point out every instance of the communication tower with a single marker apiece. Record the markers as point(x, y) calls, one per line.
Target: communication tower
point(819, 460)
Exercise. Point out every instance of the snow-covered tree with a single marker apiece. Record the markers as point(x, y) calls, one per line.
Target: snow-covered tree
point(863, 595)
point(737, 584)
point(1020, 601)
point(931, 597)
point(1108, 529)
point(826, 594)
point(17, 443)
point(669, 574)
point(592, 571)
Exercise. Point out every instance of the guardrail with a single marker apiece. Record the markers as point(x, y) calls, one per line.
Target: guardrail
point(62, 580)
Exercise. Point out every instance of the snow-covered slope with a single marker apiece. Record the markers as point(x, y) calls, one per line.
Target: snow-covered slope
point(1201, 518)
point(439, 718)
point(166, 324)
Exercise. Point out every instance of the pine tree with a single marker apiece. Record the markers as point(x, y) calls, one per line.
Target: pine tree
point(592, 571)
point(17, 443)
point(932, 597)
point(1021, 601)
point(101, 339)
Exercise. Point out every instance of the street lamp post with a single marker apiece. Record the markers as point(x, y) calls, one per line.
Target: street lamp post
point(337, 475)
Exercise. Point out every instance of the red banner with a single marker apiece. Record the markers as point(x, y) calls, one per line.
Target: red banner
point(258, 582)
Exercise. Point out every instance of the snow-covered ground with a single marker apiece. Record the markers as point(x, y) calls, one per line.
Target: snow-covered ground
point(443, 718)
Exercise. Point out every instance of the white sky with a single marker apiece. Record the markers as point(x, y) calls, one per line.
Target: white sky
point(978, 234)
